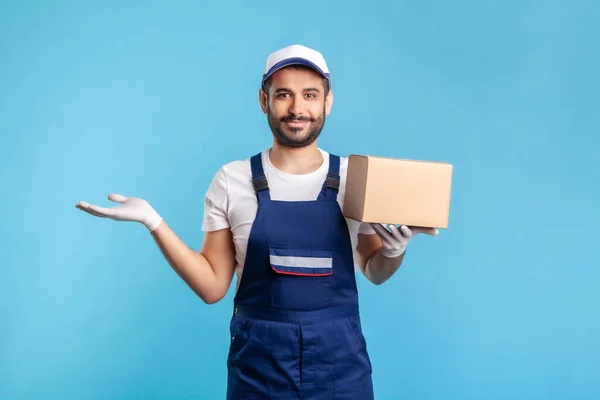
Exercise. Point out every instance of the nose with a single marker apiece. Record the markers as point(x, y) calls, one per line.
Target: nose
point(296, 107)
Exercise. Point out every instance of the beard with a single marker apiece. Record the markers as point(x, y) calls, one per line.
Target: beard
point(292, 137)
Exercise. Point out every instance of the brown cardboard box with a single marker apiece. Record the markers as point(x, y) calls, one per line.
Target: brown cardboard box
point(398, 191)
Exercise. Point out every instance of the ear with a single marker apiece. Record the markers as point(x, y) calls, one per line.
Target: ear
point(328, 102)
point(263, 99)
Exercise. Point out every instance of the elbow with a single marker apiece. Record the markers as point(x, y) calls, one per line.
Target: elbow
point(377, 281)
point(378, 276)
point(210, 300)
point(212, 297)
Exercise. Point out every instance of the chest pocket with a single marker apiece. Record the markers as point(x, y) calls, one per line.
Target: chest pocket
point(301, 277)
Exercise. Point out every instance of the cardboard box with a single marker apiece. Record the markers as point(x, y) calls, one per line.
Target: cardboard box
point(398, 191)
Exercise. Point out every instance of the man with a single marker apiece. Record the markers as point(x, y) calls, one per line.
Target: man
point(275, 220)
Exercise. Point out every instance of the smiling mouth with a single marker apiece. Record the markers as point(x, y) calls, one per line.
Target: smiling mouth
point(296, 123)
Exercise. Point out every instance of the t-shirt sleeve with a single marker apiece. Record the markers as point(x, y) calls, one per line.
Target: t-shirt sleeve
point(366, 229)
point(215, 204)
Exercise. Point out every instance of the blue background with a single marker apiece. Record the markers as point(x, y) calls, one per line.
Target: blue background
point(149, 99)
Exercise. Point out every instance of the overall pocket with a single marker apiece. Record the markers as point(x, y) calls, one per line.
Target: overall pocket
point(238, 333)
point(359, 336)
point(301, 277)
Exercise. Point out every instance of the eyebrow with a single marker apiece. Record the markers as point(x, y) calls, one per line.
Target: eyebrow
point(281, 90)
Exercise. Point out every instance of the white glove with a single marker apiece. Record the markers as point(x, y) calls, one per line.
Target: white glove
point(394, 240)
point(131, 209)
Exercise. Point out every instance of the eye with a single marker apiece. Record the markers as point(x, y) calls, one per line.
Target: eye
point(311, 95)
point(281, 95)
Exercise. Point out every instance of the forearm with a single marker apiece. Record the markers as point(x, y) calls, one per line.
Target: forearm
point(190, 265)
point(380, 268)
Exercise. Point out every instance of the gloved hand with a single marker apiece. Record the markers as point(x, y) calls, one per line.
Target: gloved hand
point(395, 240)
point(131, 209)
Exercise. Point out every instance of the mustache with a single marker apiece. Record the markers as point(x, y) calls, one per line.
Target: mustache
point(292, 118)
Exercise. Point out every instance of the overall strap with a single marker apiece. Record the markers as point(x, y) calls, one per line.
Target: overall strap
point(259, 180)
point(332, 182)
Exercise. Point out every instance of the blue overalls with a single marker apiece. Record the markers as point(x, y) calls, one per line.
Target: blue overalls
point(295, 331)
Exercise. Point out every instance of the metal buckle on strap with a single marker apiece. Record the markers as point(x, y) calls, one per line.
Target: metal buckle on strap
point(332, 181)
point(260, 183)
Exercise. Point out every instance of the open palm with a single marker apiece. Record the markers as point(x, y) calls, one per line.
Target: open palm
point(129, 209)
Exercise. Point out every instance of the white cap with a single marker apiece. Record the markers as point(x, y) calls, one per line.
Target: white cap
point(295, 55)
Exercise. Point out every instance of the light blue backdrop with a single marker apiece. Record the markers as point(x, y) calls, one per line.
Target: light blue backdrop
point(149, 99)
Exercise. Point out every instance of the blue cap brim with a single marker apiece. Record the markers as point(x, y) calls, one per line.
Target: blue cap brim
point(293, 61)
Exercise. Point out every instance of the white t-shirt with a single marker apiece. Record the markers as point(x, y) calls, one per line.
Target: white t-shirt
point(231, 202)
